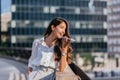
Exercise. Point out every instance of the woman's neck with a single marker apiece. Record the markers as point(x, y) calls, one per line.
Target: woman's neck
point(50, 40)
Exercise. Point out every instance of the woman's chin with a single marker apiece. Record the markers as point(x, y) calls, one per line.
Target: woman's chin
point(59, 37)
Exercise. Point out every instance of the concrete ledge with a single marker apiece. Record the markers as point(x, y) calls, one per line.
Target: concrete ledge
point(25, 61)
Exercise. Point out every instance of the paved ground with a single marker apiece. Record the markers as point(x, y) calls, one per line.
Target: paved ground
point(12, 70)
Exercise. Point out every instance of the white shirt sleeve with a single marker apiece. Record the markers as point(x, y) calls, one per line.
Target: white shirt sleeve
point(33, 53)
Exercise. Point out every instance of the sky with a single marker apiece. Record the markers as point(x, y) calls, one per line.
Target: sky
point(5, 6)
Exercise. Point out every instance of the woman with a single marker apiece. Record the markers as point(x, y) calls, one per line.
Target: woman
point(50, 53)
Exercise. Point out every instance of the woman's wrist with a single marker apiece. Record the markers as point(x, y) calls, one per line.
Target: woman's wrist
point(64, 53)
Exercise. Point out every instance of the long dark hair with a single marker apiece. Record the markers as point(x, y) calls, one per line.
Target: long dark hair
point(57, 51)
point(56, 22)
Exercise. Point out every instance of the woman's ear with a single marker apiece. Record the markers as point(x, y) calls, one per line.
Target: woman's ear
point(53, 27)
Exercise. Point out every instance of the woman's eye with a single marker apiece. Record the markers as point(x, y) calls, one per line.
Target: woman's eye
point(62, 27)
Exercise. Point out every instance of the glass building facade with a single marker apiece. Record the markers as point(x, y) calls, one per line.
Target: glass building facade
point(87, 20)
point(114, 26)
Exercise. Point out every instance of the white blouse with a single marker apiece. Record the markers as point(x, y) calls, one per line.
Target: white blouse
point(41, 54)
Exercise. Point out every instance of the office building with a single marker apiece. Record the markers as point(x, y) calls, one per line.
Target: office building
point(87, 19)
point(5, 30)
point(5, 18)
point(114, 26)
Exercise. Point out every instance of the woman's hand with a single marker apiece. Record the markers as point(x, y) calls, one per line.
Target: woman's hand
point(64, 48)
point(64, 45)
point(29, 70)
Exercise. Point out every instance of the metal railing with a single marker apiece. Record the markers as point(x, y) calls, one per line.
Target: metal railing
point(16, 52)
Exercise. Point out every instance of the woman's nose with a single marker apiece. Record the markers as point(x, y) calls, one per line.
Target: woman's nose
point(63, 32)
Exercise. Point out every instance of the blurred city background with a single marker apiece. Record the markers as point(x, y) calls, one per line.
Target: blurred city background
point(94, 24)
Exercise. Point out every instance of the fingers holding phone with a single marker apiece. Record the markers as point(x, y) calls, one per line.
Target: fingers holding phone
point(65, 44)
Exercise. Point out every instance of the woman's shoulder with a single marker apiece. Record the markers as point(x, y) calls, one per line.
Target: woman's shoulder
point(38, 41)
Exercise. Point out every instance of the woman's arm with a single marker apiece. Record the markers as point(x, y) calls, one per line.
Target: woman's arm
point(64, 49)
point(33, 55)
point(63, 63)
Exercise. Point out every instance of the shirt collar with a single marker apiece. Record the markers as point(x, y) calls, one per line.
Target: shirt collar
point(44, 43)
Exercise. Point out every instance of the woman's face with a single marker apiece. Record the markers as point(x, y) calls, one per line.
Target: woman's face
point(59, 30)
